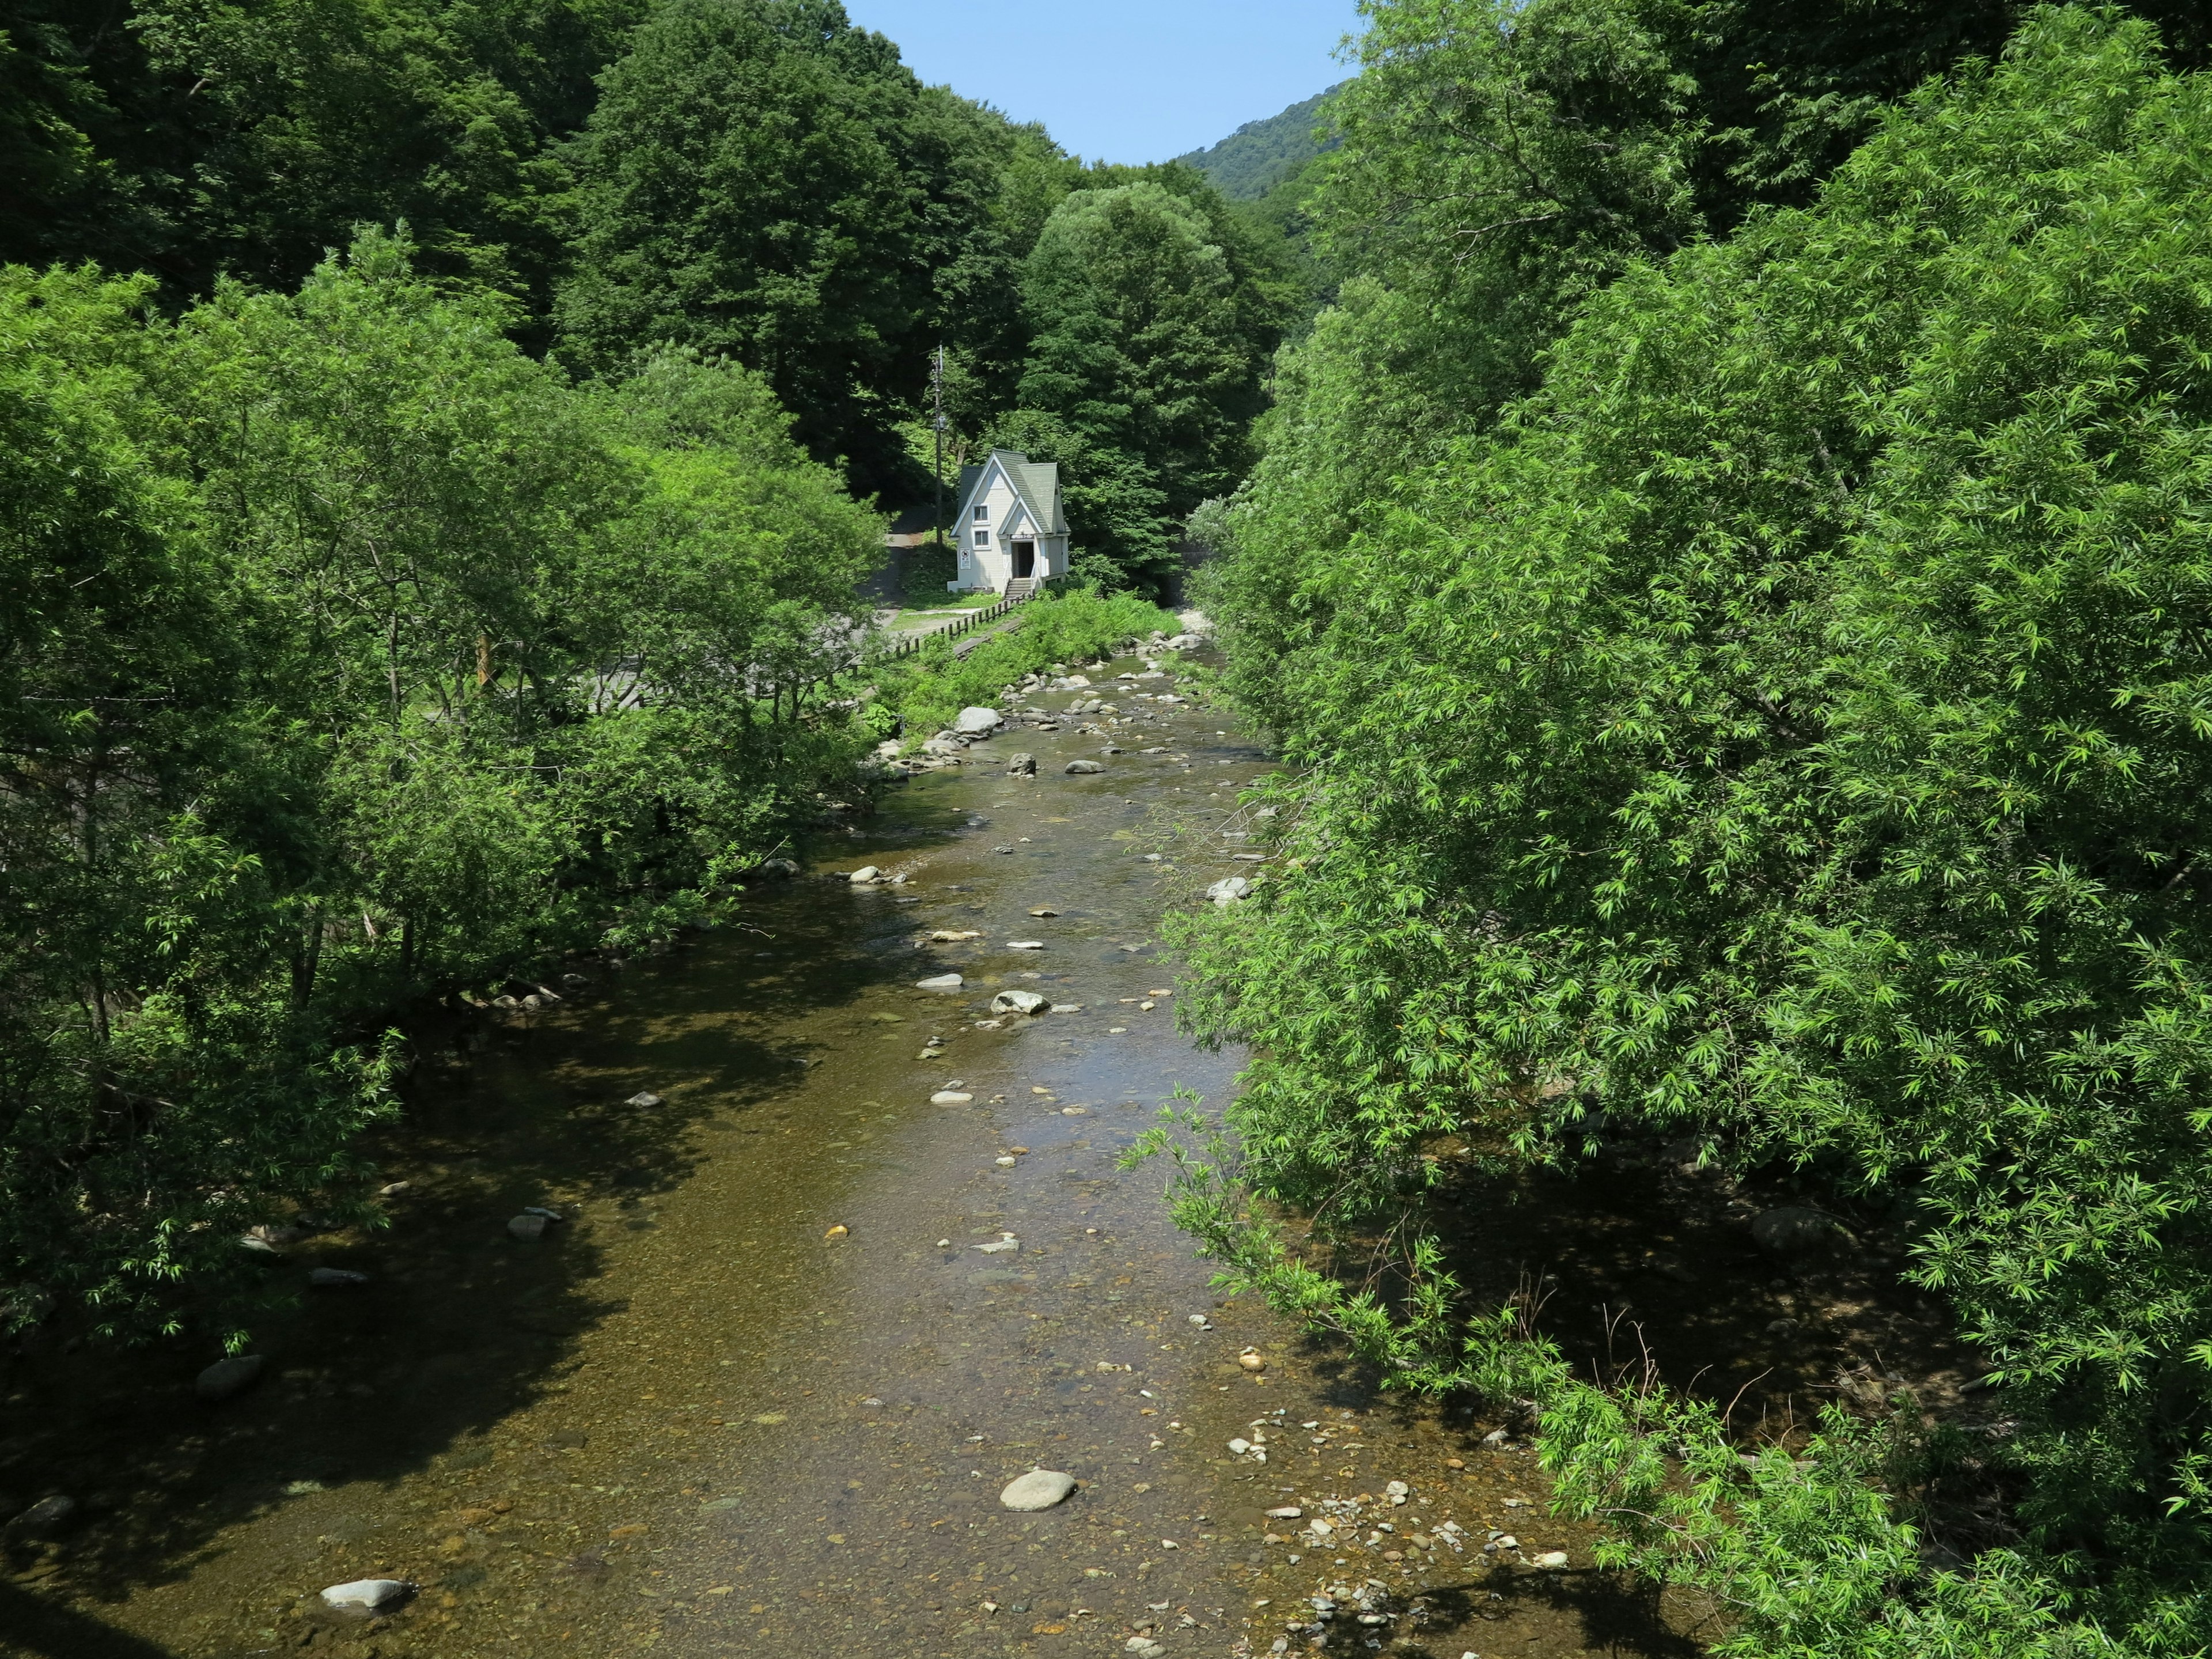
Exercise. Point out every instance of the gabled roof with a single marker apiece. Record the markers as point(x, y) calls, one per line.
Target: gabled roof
point(1036, 485)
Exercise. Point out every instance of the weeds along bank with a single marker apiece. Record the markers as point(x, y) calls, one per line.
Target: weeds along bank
point(923, 693)
point(1785, 726)
point(351, 655)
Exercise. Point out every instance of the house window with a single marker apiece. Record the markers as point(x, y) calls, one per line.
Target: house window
point(982, 515)
point(982, 538)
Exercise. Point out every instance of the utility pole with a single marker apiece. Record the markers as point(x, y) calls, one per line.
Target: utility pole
point(937, 389)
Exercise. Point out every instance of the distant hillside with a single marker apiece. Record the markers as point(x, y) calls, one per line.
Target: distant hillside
point(1259, 155)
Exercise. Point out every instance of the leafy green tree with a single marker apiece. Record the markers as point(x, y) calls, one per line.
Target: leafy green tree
point(1146, 348)
point(766, 182)
point(1786, 727)
point(194, 139)
point(157, 1088)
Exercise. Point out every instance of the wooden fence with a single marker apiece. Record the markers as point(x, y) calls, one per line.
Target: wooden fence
point(966, 624)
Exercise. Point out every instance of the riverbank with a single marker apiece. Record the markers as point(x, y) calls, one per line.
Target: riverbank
point(693, 1417)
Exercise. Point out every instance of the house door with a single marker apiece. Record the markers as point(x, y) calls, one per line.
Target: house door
point(1025, 559)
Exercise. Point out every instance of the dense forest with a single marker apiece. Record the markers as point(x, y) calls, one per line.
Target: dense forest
point(444, 449)
point(1727, 574)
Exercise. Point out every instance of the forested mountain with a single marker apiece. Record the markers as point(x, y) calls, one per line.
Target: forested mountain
point(1260, 154)
point(1724, 574)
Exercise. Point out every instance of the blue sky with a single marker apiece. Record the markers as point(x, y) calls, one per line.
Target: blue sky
point(1122, 80)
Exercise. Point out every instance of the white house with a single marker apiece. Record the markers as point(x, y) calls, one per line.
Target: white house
point(1012, 528)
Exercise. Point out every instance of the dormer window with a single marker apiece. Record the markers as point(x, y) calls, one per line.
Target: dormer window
point(982, 515)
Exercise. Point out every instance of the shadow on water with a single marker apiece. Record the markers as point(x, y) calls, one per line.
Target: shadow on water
point(460, 1327)
point(32, 1625)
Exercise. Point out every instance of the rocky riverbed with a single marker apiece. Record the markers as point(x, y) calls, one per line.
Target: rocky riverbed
point(725, 1292)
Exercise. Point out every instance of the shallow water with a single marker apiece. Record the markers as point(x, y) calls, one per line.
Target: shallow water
point(688, 1420)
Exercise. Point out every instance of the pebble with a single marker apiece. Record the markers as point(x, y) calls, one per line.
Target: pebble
point(1006, 1163)
point(1240, 1446)
point(528, 1226)
point(1025, 944)
point(1553, 1560)
point(1143, 1647)
point(864, 875)
point(840, 1231)
point(951, 1097)
point(369, 1595)
point(1252, 1361)
point(336, 1278)
point(229, 1377)
point(1003, 1244)
point(1288, 1512)
point(1040, 1489)
point(644, 1100)
point(942, 982)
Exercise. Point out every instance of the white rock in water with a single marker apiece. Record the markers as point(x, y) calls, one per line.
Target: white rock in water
point(951, 1097)
point(1082, 767)
point(1230, 888)
point(1017, 1002)
point(1288, 1512)
point(228, 1376)
point(336, 1277)
point(1553, 1560)
point(644, 1100)
point(974, 722)
point(369, 1595)
point(1240, 1446)
point(1040, 1489)
point(528, 1226)
point(864, 875)
point(1000, 1246)
point(1397, 1489)
point(1025, 944)
point(942, 982)
point(1143, 1647)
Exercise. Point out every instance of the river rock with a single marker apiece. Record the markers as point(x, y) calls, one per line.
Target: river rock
point(1230, 888)
point(1793, 1229)
point(1143, 1648)
point(644, 1100)
point(1017, 1002)
point(951, 1097)
point(942, 982)
point(1553, 1560)
point(229, 1377)
point(1003, 1246)
point(1022, 765)
point(978, 722)
point(369, 1595)
point(336, 1278)
point(1025, 944)
point(1082, 767)
point(43, 1518)
point(528, 1226)
point(864, 875)
point(1040, 1489)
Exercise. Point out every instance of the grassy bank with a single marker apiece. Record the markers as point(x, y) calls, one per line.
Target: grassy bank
point(927, 690)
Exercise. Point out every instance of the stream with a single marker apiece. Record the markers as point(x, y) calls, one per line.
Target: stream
point(758, 1390)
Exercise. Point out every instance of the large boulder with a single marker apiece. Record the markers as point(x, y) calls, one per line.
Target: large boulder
point(978, 722)
point(1022, 765)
